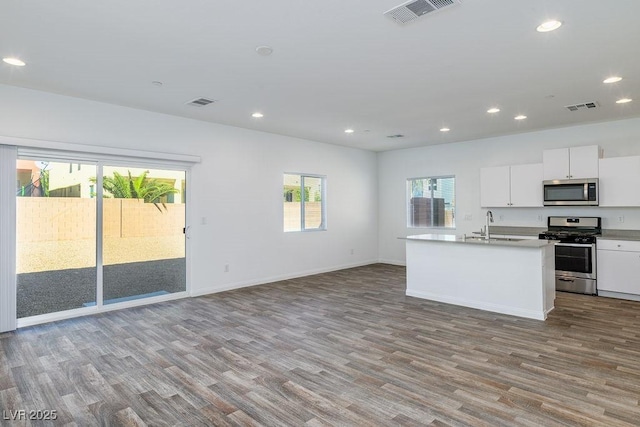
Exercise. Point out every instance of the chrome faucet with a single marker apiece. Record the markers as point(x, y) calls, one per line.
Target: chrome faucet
point(489, 220)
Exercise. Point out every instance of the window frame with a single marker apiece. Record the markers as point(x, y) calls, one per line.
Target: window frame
point(323, 201)
point(408, 187)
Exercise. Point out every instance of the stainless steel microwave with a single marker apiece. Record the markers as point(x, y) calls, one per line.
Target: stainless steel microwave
point(571, 192)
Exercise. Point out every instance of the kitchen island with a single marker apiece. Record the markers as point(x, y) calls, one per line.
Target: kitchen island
point(508, 276)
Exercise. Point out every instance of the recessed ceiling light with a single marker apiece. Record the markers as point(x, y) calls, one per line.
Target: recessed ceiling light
point(623, 100)
point(257, 115)
point(14, 61)
point(493, 110)
point(549, 26)
point(264, 50)
point(520, 117)
point(349, 131)
point(612, 79)
point(444, 129)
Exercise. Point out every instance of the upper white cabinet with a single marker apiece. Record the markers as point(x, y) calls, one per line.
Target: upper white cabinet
point(516, 186)
point(619, 178)
point(571, 163)
point(495, 187)
point(526, 185)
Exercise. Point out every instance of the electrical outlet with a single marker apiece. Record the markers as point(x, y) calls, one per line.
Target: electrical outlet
point(203, 220)
point(226, 268)
point(468, 217)
point(352, 251)
point(501, 218)
point(540, 218)
point(621, 218)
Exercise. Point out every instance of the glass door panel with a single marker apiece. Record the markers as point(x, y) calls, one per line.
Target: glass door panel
point(143, 233)
point(313, 203)
point(56, 236)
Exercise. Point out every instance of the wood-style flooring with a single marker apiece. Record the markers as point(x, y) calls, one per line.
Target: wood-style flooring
point(346, 348)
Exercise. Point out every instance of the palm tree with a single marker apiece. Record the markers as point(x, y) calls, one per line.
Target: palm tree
point(127, 187)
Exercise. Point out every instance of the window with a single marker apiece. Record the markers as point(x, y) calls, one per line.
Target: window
point(304, 202)
point(431, 202)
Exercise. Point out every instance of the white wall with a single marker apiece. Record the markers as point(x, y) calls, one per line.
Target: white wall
point(464, 160)
point(237, 187)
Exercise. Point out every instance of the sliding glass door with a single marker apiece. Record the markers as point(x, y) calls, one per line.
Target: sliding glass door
point(90, 235)
point(143, 233)
point(56, 236)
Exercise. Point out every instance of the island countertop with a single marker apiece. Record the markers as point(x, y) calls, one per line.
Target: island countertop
point(515, 277)
point(477, 240)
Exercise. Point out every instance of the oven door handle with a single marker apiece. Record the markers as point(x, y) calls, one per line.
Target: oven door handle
point(581, 245)
point(562, 279)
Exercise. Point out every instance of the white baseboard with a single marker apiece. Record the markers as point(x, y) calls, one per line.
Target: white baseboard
point(619, 295)
point(495, 308)
point(271, 279)
point(393, 262)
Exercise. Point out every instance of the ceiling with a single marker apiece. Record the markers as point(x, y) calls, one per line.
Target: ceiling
point(335, 64)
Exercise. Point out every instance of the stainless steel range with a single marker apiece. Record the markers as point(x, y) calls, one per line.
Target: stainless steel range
point(575, 252)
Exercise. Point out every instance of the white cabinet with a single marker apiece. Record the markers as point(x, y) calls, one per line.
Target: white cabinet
point(619, 178)
point(571, 163)
point(517, 186)
point(526, 185)
point(618, 266)
point(495, 187)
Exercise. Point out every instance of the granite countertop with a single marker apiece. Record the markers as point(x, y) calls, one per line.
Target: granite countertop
point(620, 235)
point(516, 231)
point(475, 240)
point(633, 235)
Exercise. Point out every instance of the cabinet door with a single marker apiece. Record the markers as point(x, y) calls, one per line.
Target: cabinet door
point(556, 163)
point(583, 162)
point(619, 178)
point(494, 187)
point(618, 271)
point(526, 185)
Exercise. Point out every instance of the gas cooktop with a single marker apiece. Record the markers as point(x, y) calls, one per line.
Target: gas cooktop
point(572, 229)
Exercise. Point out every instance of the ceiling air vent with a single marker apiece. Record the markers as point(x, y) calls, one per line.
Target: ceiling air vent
point(395, 136)
point(200, 102)
point(414, 9)
point(583, 106)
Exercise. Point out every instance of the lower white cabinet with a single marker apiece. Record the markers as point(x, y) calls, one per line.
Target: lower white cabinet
point(619, 266)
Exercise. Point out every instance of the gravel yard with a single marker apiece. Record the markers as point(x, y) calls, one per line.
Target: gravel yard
point(61, 275)
point(66, 254)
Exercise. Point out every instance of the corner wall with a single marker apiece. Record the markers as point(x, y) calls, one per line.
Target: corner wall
point(235, 193)
point(464, 160)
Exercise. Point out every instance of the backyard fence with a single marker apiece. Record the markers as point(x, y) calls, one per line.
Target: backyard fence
point(42, 219)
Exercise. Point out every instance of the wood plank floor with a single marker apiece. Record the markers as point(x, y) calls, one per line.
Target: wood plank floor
point(345, 348)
